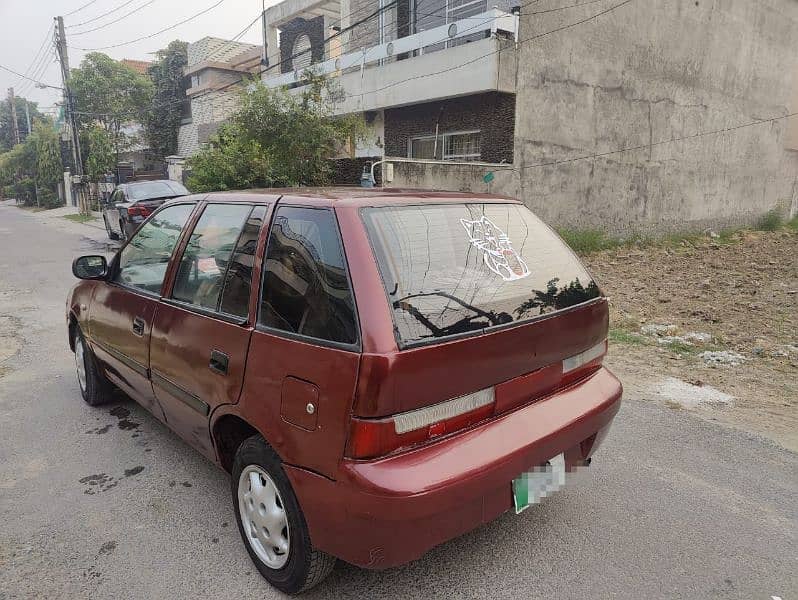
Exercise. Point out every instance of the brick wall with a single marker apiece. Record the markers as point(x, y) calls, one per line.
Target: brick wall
point(492, 113)
point(313, 28)
point(349, 170)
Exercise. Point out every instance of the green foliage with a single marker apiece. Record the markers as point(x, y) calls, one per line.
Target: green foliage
point(109, 93)
point(6, 136)
point(49, 170)
point(770, 221)
point(36, 162)
point(793, 223)
point(162, 121)
point(277, 138)
point(100, 151)
point(229, 162)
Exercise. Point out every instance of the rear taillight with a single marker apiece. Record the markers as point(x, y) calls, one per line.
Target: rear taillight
point(370, 438)
point(138, 211)
point(584, 363)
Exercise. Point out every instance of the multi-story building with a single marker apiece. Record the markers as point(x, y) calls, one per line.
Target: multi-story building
point(392, 61)
point(214, 71)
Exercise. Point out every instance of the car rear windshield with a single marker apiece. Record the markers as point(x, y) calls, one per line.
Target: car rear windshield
point(455, 269)
point(155, 189)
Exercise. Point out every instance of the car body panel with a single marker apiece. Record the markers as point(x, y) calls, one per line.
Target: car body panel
point(124, 353)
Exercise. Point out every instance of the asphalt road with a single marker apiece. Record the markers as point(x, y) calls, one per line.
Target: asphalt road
point(107, 503)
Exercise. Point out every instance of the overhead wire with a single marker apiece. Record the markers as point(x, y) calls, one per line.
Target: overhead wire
point(152, 35)
point(109, 23)
point(80, 8)
point(100, 16)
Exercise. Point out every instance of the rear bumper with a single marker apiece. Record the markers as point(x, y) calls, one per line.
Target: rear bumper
point(387, 512)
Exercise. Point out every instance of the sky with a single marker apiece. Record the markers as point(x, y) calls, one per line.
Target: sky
point(26, 24)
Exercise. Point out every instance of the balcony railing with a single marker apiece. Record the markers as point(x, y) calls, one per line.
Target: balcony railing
point(492, 21)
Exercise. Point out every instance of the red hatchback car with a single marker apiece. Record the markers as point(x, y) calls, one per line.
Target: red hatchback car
point(379, 371)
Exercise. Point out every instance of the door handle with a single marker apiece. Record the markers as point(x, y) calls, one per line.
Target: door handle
point(219, 362)
point(138, 326)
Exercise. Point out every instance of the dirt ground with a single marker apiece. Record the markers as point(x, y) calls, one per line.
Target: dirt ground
point(741, 293)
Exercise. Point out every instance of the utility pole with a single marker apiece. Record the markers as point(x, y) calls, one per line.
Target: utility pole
point(27, 117)
point(264, 61)
point(14, 124)
point(69, 108)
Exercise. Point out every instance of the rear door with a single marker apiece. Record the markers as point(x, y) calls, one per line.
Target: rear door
point(304, 355)
point(201, 332)
point(122, 310)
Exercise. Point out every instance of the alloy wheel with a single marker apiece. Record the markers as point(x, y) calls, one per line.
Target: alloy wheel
point(263, 517)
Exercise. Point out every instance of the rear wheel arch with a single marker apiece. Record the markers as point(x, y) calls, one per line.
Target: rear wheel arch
point(229, 431)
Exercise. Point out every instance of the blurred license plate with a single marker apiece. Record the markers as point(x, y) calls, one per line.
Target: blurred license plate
point(531, 488)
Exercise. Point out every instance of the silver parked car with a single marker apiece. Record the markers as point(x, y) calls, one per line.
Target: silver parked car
point(133, 202)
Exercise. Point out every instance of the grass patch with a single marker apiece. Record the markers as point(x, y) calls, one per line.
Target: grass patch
point(622, 336)
point(682, 349)
point(78, 218)
point(586, 241)
point(770, 221)
point(793, 223)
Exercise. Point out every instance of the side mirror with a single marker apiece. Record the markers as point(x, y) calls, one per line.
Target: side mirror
point(90, 267)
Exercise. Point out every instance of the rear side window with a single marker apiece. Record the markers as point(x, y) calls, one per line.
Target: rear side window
point(238, 280)
point(306, 286)
point(202, 270)
point(453, 269)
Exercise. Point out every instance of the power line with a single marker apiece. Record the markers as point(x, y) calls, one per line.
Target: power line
point(145, 37)
point(80, 8)
point(100, 16)
point(104, 25)
point(13, 72)
point(37, 57)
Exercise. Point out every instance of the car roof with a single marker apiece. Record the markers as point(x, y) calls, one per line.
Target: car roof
point(143, 181)
point(349, 196)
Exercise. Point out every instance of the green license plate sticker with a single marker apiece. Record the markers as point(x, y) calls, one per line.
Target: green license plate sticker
point(530, 488)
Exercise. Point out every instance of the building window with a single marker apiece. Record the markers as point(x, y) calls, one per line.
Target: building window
point(459, 145)
point(302, 52)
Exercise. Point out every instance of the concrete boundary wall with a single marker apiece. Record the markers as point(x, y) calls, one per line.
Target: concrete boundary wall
point(648, 72)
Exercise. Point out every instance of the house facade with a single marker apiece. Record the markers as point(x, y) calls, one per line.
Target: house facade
point(392, 61)
point(215, 71)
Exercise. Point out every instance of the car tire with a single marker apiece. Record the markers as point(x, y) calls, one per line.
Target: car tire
point(299, 568)
point(112, 235)
point(94, 387)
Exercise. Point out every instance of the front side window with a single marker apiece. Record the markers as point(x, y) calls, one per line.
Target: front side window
point(455, 269)
point(203, 266)
point(143, 261)
point(306, 286)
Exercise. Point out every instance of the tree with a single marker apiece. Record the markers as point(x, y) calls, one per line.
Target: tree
point(49, 169)
point(7, 140)
point(277, 138)
point(162, 121)
point(109, 93)
point(99, 149)
point(32, 170)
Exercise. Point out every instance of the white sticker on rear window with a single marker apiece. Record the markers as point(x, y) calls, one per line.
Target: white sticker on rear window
point(497, 250)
